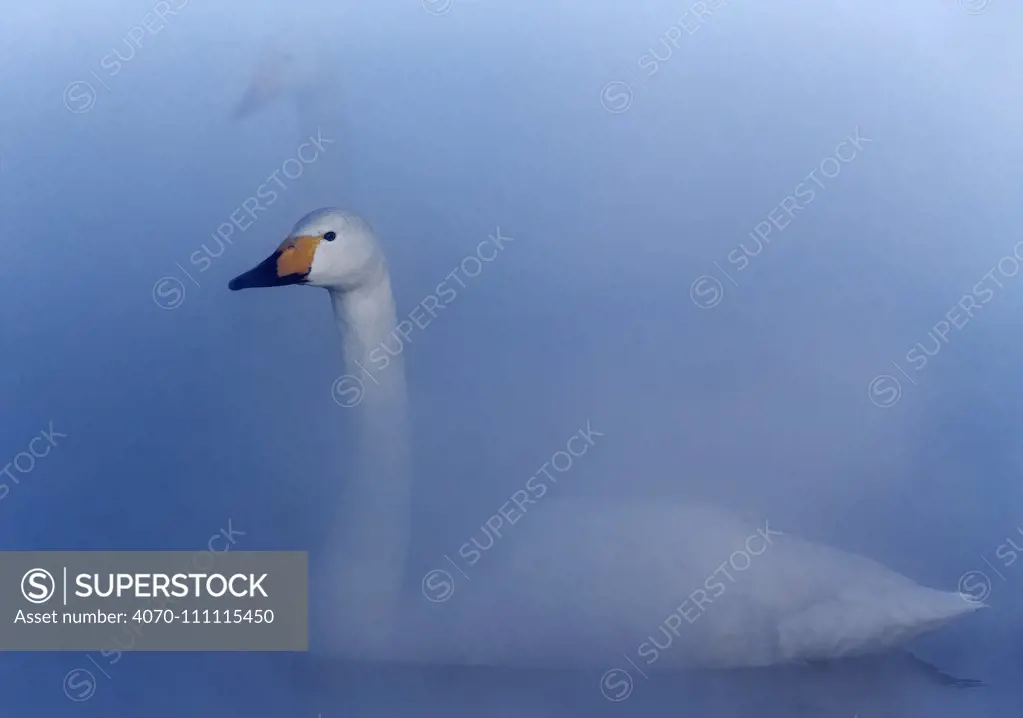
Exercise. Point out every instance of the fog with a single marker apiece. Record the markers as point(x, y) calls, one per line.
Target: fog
point(766, 251)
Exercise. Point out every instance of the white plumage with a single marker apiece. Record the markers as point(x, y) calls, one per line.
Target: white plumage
point(581, 582)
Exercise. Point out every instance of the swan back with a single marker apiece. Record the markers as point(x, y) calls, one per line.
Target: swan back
point(679, 587)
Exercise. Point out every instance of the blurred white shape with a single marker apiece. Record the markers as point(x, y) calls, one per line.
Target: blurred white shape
point(680, 587)
point(292, 68)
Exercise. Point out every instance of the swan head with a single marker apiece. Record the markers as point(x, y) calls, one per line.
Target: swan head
point(286, 69)
point(327, 248)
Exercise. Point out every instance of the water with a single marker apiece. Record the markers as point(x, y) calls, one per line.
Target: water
point(630, 157)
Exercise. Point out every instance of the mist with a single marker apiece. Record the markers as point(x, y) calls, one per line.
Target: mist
point(766, 255)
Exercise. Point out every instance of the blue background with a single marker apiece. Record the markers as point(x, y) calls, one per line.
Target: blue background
point(486, 116)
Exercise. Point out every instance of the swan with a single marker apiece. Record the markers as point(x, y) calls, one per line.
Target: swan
point(582, 584)
point(289, 70)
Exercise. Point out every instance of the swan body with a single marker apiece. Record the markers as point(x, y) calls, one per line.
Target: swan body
point(674, 587)
point(582, 583)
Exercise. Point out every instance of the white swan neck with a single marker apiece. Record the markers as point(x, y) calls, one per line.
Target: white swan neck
point(367, 321)
point(369, 539)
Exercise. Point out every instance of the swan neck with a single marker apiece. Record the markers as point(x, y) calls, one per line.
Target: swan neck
point(367, 322)
point(369, 538)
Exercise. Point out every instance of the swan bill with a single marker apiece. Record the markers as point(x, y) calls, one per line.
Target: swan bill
point(250, 103)
point(266, 86)
point(290, 264)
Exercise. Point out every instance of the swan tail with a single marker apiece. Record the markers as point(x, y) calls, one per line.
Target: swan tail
point(940, 607)
point(860, 624)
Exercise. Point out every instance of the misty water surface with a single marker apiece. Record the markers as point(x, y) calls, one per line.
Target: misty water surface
point(825, 376)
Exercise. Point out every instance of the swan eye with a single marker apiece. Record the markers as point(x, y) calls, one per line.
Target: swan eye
point(330, 236)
